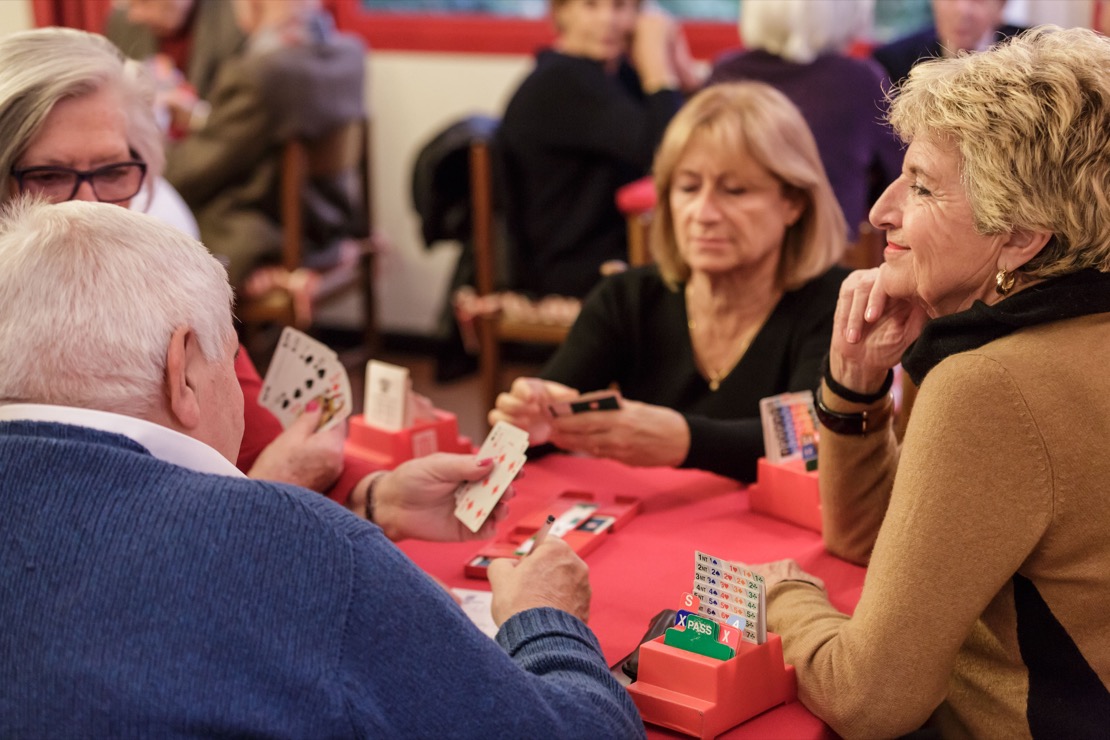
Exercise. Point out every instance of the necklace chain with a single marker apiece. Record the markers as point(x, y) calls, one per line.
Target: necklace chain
point(717, 376)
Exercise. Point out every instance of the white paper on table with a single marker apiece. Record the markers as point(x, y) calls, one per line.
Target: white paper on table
point(477, 606)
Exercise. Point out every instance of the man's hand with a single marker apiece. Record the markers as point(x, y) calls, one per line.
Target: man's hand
point(636, 434)
point(551, 575)
point(302, 456)
point(417, 499)
point(525, 406)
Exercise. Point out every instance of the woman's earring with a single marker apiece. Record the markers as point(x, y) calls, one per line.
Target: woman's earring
point(1004, 282)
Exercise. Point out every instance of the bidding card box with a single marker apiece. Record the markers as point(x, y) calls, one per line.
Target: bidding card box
point(786, 490)
point(387, 449)
point(611, 514)
point(702, 696)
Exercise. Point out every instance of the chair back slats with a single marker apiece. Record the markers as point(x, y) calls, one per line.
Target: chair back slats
point(481, 203)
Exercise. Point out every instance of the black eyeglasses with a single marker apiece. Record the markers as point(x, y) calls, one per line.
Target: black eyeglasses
point(111, 183)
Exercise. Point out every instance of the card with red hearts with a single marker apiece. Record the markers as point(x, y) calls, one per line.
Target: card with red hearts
point(475, 501)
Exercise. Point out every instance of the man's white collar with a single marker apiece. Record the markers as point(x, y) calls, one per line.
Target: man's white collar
point(162, 442)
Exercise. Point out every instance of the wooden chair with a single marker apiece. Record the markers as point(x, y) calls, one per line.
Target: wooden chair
point(495, 328)
point(342, 152)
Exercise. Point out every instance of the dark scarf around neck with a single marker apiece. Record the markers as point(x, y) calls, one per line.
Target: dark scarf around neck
point(1056, 299)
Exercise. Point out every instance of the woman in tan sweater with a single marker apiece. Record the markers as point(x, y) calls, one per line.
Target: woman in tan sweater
point(986, 609)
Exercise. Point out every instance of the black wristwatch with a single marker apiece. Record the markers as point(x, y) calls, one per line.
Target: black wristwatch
point(862, 422)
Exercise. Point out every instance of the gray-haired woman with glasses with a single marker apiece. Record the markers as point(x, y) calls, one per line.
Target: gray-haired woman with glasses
point(77, 123)
point(74, 119)
point(116, 182)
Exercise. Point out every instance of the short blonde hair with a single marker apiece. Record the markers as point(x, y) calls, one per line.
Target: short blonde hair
point(1030, 119)
point(754, 118)
point(802, 30)
point(40, 67)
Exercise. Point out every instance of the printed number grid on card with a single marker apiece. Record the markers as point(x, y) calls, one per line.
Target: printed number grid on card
point(788, 420)
point(726, 589)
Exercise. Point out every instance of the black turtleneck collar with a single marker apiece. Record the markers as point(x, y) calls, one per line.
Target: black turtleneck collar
point(1066, 297)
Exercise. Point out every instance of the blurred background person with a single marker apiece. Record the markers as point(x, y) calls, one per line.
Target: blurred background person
point(296, 77)
point(799, 48)
point(988, 578)
point(183, 42)
point(76, 123)
point(583, 123)
point(739, 306)
point(959, 25)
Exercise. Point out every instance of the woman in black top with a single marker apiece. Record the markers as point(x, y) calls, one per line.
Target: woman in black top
point(738, 307)
point(583, 123)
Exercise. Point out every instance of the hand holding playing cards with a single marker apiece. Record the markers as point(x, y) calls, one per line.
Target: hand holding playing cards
point(417, 499)
point(525, 406)
point(636, 434)
point(784, 570)
point(551, 575)
point(303, 456)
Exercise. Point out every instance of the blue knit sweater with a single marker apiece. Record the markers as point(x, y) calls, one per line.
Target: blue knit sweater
point(139, 598)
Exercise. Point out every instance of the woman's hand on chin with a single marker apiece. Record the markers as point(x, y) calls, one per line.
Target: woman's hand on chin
point(871, 330)
point(637, 434)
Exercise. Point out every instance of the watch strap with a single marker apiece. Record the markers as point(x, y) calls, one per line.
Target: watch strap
point(858, 423)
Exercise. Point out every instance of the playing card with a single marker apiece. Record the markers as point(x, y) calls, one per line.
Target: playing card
point(595, 401)
point(387, 392)
point(507, 445)
point(303, 370)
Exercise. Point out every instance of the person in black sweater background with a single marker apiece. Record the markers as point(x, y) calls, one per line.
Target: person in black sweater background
point(738, 307)
point(583, 123)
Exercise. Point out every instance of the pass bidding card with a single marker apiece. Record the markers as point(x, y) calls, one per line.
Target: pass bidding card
point(303, 370)
point(476, 500)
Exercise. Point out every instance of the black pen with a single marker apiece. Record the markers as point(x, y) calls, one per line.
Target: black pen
point(541, 533)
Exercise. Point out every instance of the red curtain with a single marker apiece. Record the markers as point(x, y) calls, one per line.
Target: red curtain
point(88, 15)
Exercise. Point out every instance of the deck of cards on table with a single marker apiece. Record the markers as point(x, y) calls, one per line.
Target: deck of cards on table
point(303, 370)
point(507, 446)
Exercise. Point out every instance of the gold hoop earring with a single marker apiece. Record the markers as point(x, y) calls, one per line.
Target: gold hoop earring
point(1004, 282)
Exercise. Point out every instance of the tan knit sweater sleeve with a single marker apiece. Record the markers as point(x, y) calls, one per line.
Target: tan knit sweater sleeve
point(856, 475)
point(970, 500)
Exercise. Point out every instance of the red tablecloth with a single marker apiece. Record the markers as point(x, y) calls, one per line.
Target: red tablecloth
point(648, 564)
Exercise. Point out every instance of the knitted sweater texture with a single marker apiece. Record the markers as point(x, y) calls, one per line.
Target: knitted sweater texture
point(140, 598)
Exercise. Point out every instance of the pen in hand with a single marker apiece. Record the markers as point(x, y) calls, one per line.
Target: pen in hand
point(541, 533)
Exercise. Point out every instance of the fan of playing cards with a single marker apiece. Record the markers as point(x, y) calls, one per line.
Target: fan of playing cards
point(507, 446)
point(303, 370)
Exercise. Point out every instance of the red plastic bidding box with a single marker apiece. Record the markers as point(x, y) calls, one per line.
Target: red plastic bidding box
point(620, 508)
point(702, 696)
point(388, 449)
point(786, 490)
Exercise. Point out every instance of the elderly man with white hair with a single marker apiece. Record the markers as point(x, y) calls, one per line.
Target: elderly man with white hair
point(150, 589)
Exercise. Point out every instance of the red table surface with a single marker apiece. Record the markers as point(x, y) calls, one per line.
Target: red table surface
point(648, 564)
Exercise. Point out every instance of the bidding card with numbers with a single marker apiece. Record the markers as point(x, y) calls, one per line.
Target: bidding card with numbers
point(475, 501)
point(727, 589)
